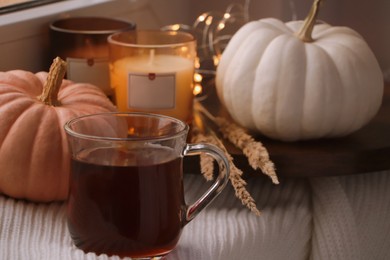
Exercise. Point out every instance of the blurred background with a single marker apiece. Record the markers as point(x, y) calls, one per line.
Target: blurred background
point(370, 18)
point(24, 40)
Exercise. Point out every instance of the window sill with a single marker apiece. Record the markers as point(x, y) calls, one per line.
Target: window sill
point(24, 41)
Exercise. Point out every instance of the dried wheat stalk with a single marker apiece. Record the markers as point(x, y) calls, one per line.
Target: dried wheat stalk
point(256, 153)
point(235, 174)
point(206, 162)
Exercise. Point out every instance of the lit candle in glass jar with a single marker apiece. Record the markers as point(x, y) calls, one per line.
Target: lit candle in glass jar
point(154, 78)
point(82, 42)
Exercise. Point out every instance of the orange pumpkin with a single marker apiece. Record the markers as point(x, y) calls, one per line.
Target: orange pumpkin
point(34, 154)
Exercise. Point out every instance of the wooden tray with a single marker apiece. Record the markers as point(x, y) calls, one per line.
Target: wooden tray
point(367, 150)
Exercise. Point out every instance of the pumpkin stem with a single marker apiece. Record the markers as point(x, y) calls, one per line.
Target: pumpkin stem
point(53, 83)
point(307, 28)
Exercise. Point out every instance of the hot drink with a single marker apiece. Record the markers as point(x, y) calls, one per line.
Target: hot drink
point(126, 202)
point(126, 193)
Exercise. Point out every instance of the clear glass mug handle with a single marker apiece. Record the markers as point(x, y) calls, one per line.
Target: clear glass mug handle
point(219, 184)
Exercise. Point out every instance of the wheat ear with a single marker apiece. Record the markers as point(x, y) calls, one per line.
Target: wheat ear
point(235, 173)
point(257, 154)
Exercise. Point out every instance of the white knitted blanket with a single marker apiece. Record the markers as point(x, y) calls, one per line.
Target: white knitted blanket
point(320, 218)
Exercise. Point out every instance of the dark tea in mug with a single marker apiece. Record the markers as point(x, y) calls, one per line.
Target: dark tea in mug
point(132, 207)
point(126, 193)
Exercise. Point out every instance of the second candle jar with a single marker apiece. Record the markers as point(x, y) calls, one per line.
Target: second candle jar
point(152, 71)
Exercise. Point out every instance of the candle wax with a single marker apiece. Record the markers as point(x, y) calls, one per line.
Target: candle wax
point(159, 84)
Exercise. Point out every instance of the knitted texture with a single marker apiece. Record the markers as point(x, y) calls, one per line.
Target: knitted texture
point(351, 217)
point(323, 218)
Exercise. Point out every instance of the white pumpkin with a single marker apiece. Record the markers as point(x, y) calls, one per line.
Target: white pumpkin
point(297, 80)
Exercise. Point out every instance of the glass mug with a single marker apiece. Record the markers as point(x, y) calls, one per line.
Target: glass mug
point(126, 194)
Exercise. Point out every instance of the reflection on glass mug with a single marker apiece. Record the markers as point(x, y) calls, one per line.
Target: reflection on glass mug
point(126, 192)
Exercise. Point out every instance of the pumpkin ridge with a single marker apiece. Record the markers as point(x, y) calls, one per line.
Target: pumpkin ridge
point(251, 75)
point(36, 149)
point(274, 24)
point(91, 98)
point(51, 119)
point(360, 113)
point(335, 32)
point(20, 187)
point(76, 92)
point(322, 128)
point(289, 47)
point(257, 78)
point(13, 111)
point(81, 98)
point(21, 81)
point(8, 97)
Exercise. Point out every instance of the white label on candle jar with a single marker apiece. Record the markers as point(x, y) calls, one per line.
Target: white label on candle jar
point(151, 90)
point(93, 71)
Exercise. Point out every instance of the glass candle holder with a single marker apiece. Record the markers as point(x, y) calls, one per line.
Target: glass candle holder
point(153, 71)
point(82, 42)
